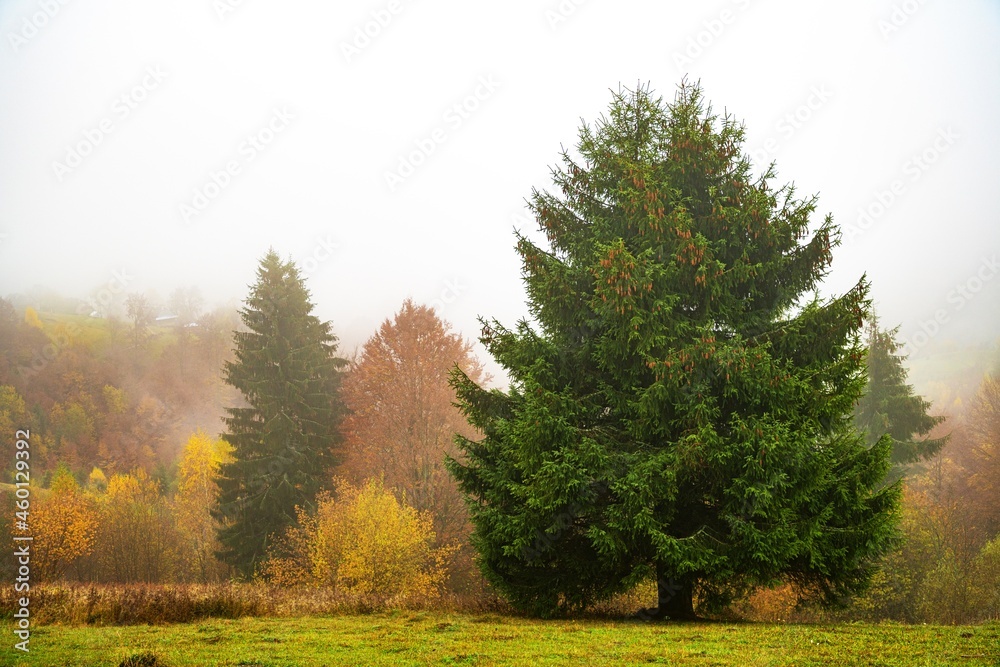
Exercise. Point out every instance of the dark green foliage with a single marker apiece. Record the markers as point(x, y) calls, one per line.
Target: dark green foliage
point(679, 406)
point(889, 405)
point(285, 439)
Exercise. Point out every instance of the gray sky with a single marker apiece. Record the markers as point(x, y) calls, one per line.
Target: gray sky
point(169, 144)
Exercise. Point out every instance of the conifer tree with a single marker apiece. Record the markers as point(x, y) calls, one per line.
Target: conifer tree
point(285, 438)
point(679, 406)
point(889, 405)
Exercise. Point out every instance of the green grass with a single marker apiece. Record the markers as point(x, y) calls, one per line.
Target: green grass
point(425, 638)
point(89, 331)
point(93, 332)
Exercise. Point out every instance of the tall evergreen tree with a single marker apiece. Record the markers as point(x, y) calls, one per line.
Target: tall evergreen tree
point(285, 439)
point(890, 406)
point(679, 407)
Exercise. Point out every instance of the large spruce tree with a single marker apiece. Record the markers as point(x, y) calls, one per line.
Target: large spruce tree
point(286, 436)
point(890, 406)
point(679, 407)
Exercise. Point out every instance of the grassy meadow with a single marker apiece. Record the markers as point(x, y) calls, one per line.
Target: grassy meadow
point(425, 638)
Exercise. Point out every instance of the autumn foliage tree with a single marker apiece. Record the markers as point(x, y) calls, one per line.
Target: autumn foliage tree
point(365, 543)
point(64, 527)
point(31, 318)
point(13, 412)
point(137, 539)
point(984, 427)
point(197, 494)
point(73, 433)
point(946, 567)
point(132, 430)
point(402, 419)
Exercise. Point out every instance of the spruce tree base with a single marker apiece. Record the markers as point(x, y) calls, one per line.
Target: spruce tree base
point(675, 603)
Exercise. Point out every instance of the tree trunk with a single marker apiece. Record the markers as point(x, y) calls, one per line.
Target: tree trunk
point(675, 599)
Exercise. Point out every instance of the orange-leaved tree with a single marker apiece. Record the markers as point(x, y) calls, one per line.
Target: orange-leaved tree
point(984, 424)
point(403, 421)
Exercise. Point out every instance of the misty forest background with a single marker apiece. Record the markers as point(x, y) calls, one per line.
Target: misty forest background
point(126, 411)
point(126, 395)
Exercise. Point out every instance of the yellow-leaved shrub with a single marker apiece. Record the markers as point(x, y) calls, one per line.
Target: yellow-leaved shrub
point(366, 544)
